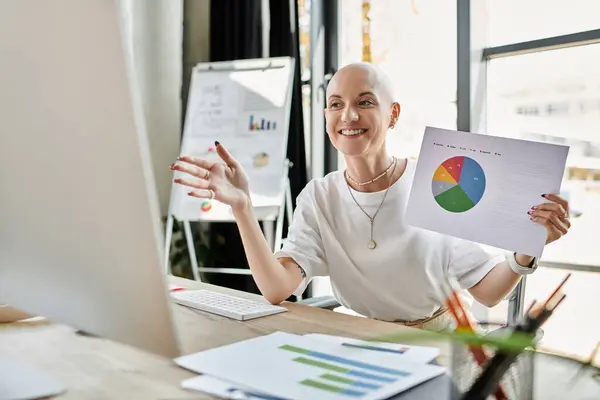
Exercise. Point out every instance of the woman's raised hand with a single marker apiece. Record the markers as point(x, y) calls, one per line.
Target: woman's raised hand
point(226, 182)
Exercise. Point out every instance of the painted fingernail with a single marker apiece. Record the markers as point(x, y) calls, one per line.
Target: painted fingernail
point(172, 166)
point(217, 143)
point(176, 180)
point(534, 208)
point(530, 212)
point(544, 195)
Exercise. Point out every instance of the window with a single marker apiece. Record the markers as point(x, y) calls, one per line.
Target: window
point(513, 21)
point(414, 43)
point(559, 82)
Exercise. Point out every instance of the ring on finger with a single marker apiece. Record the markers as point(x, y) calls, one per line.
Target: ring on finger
point(207, 174)
point(212, 194)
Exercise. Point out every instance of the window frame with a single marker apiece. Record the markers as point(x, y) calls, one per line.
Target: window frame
point(474, 54)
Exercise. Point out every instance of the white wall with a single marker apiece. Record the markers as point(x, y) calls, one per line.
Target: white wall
point(156, 29)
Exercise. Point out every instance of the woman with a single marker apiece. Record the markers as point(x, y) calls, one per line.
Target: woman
point(350, 225)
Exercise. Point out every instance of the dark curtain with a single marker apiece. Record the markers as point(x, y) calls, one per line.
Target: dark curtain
point(235, 29)
point(285, 41)
point(236, 33)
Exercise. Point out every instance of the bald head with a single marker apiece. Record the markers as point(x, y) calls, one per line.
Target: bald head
point(360, 110)
point(364, 74)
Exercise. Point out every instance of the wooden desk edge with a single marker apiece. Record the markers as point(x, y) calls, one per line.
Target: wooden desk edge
point(115, 370)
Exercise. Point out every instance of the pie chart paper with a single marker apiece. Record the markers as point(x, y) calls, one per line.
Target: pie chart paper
point(480, 188)
point(458, 184)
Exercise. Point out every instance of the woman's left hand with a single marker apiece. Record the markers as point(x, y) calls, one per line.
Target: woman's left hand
point(554, 215)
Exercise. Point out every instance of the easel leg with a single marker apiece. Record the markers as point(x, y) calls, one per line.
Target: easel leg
point(289, 202)
point(268, 229)
point(191, 249)
point(279, 228)
point(284, 211)
point(168, 239)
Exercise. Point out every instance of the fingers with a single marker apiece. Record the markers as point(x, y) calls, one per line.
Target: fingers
point(202, 194)
point(201, 188)
point(194, 183)
point(198, 162)
point(559, 224)
point(557, 199)
point(552, 222)
point(554, 215)
point(225, 155)
point(556, 208)
point(192, 170)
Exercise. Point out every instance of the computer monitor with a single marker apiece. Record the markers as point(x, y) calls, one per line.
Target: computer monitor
point(80, 229)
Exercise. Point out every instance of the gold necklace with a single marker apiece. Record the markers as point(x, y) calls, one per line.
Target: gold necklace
point(372, 243)
point(381, 175)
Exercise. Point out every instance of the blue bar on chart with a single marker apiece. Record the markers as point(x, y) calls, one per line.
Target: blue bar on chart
point(351, 382)
point(401, 350)
point(345, 361)
point(332, 388)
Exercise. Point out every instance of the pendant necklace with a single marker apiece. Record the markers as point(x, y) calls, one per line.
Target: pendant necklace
point(372, 243)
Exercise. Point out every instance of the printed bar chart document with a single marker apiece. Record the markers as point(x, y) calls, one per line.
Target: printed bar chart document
point(481, 187)
point(296, 367)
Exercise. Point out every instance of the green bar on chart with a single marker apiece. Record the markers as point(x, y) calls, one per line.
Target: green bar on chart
point(351, 382)
point(295, 349)
point(321, 385)
point(336, 378)
point(320, 364)
point(331, 388)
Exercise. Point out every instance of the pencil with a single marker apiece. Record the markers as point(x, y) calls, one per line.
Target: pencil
point(459, 312)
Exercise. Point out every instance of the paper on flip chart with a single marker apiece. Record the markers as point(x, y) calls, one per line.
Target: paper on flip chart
point(296, 367)
point(480, 188)
point(418, 354)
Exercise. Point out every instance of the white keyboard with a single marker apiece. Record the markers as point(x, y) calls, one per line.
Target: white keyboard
point(225, 305)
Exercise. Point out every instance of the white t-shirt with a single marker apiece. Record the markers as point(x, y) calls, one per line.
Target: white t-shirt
point(329, 236)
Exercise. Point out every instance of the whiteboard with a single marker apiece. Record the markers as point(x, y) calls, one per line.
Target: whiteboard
point(245, 105)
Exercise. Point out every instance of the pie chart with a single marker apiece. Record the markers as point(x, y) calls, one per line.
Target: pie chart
point(458, 184)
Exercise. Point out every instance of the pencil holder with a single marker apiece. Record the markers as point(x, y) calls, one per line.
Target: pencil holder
point(515, 381)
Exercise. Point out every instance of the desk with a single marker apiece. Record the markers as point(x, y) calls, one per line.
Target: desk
point(93, 368)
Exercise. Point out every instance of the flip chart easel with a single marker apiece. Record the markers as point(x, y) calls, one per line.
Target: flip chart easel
point(244, 104)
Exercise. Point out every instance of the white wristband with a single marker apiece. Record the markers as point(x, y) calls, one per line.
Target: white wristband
point(519, 269)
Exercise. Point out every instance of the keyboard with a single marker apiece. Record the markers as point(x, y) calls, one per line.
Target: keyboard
point(225, 305)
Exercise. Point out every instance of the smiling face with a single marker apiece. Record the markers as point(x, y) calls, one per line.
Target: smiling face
point(359, 110)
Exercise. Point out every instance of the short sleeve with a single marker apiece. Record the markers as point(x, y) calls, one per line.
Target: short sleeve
point(304, 244)
point(470, 262)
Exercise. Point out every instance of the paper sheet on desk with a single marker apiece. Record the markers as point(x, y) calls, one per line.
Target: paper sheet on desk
point(223, 389)
point(418, 354)
point(297, 367)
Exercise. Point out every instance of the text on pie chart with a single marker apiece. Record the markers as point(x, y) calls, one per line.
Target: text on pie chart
point(458, 184)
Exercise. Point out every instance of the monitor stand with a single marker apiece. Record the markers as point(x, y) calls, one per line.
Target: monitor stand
point(19, 381)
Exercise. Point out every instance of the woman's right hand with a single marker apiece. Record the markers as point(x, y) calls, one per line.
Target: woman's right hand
point(226, 182)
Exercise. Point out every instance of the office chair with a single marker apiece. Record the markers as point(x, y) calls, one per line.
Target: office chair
point(516, 300)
